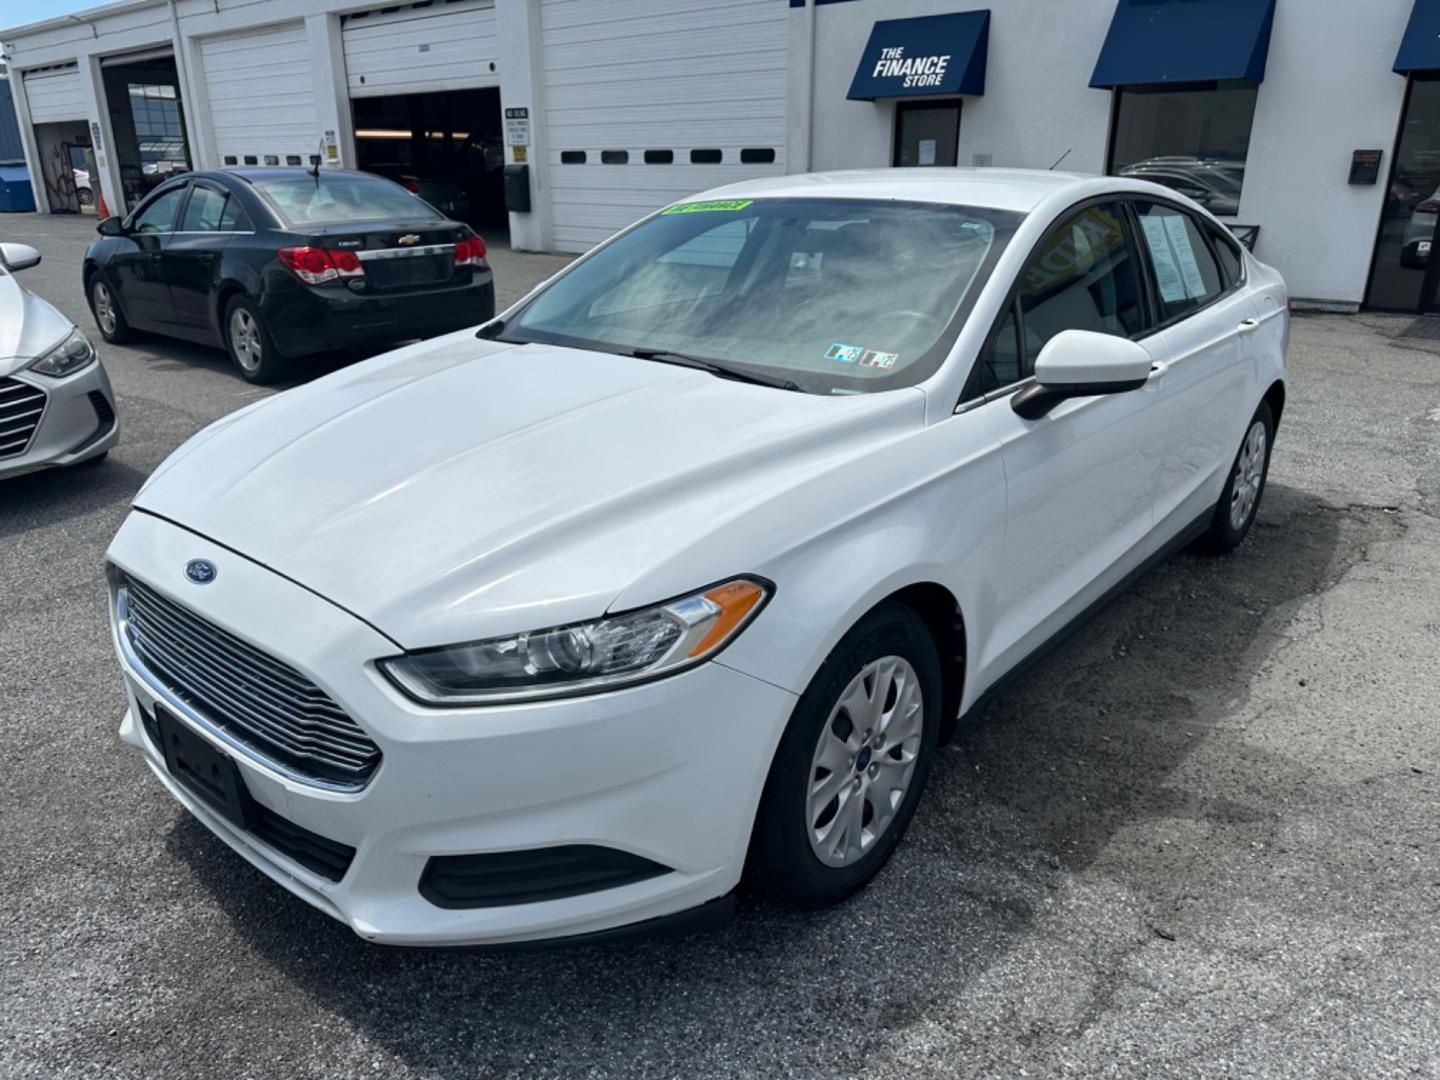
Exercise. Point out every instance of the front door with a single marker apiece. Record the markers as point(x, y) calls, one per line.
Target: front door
point(138, 265)
point(192, 261)
point(927, 132)
point(1081, 480)
point(1405, 273)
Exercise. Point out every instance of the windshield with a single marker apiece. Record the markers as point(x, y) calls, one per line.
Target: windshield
point(836, 295)
point(328, 199)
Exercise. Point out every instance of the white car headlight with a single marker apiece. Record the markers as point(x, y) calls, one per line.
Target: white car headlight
point(72, 354)
point(583, 657)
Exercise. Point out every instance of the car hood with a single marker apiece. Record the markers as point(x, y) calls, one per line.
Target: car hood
point(28, 326)
point(460, 489)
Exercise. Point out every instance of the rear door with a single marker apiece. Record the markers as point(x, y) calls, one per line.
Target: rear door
point(1207, 316)
point(191, 259)
point(137, 266)
point(1081, 480)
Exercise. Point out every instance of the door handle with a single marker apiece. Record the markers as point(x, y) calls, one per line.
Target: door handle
point(1248, 326)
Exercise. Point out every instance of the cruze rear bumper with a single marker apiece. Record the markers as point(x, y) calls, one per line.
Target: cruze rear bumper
point(667, 773)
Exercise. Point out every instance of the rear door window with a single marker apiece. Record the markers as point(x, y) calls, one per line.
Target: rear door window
point(1187, 276)
point(204, 211)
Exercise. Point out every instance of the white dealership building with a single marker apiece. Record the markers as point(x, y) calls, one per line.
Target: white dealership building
point(1311, 126)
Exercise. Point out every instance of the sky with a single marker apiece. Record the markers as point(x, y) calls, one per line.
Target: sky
point(20, 12)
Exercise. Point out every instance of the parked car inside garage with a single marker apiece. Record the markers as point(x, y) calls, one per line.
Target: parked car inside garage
point(274, 264)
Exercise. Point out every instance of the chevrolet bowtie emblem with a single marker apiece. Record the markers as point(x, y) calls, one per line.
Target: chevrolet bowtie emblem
point(409, 238)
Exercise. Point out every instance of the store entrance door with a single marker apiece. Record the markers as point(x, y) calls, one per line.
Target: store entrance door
point(1405, 273)
point(926, 132)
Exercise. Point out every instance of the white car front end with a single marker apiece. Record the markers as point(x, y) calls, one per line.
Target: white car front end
point(56, 404)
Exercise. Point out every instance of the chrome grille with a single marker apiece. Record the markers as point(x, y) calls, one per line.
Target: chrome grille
point(258, 701)
point(21, 406)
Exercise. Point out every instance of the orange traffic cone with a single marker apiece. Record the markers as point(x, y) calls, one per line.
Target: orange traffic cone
point(102, 210)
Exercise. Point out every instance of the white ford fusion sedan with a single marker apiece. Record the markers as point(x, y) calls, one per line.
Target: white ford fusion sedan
point(56, 405)
point(687, 562)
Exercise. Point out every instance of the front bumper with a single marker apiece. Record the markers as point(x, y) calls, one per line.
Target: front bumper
point(670, 771)
point(79, 421)
point(307, 319)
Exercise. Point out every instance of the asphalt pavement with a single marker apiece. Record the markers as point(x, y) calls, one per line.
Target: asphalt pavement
point(1200, 839)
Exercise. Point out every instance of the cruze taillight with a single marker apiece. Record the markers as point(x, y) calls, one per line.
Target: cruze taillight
point(470, 251)
point(315, 266)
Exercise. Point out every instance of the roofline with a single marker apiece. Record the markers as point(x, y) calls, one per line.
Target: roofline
point(88, 16)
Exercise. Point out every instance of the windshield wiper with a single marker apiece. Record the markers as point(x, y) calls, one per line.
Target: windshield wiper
point(664, 356)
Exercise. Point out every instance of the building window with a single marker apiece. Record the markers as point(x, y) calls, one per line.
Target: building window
point(614, 157)
point(1192, 138)
point(706, 157)
point(659, 157)
point(572, 157)
point(927, 132)
point(757, 155)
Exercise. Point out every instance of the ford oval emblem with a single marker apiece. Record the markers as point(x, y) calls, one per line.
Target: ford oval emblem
point(200, 571)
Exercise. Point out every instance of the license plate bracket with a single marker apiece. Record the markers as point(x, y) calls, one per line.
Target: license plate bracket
point(205, 771)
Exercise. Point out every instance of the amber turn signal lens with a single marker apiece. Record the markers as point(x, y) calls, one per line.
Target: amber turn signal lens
point(735, 599)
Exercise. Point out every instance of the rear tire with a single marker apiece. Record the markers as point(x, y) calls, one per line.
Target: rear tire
point(105, 309)
point(1239, 502)
point(250, 345)
point(852, 763)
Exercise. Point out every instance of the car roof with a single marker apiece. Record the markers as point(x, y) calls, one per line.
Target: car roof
point(251, 174)
point(999, 189)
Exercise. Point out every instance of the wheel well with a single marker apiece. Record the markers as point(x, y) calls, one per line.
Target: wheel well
point(222, 299)
point(937, 606)
point(1275, 398)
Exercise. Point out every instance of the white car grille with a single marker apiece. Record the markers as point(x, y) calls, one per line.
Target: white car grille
point(255, 699)
point(21, 406)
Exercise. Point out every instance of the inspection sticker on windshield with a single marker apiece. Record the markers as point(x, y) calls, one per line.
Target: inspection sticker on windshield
point(714, 205)
point(844, 354)
point(878, 359)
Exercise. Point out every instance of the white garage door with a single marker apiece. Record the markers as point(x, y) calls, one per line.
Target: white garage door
point(647, 101)
point(55, 94)
point(261, 94)
point(419, 48)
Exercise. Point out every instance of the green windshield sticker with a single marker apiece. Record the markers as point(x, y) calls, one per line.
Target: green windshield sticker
point(714, 205)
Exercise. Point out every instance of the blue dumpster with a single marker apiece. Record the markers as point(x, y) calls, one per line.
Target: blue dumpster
point(15, 194)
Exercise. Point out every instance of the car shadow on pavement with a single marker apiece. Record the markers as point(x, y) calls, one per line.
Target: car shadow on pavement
point(37, 499)
point(1026, 841)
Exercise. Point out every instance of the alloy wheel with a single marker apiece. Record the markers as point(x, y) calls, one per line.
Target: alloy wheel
point(864, 761)
point(1249, 475)
point(104, 307)
point(245, 339)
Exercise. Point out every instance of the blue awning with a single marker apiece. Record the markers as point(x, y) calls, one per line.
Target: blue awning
point(1153, 42)
point(934, 54)
point(1420, 47)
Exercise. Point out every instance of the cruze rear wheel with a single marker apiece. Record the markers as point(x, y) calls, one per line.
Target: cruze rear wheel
point(852, 763)
point(250, 345)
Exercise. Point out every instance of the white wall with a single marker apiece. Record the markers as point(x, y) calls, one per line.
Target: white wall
point(1328, 90)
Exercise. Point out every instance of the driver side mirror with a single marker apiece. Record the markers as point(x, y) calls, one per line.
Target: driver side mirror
point(18, 256)
point(1082, 363)
point(111, 226)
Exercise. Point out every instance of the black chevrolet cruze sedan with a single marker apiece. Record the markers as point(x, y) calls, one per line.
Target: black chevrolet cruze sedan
point(274, 264)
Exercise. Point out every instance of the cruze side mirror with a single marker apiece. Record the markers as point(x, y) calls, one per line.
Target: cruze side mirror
point(18, 256)
point(110, 227)
point(1082, 363)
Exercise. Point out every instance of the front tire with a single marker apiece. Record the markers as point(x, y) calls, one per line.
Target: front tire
point(250, 345)
point(105, 308)
point(1239, 502)
point(852, 763)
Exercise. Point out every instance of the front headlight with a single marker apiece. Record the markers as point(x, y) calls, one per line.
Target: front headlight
point(583, 657)
point(72, 354)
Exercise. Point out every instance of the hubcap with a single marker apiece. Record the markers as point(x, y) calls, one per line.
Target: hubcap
point(245, 339)
point(864, 761)
point(1249, 475)
point(104, 308)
